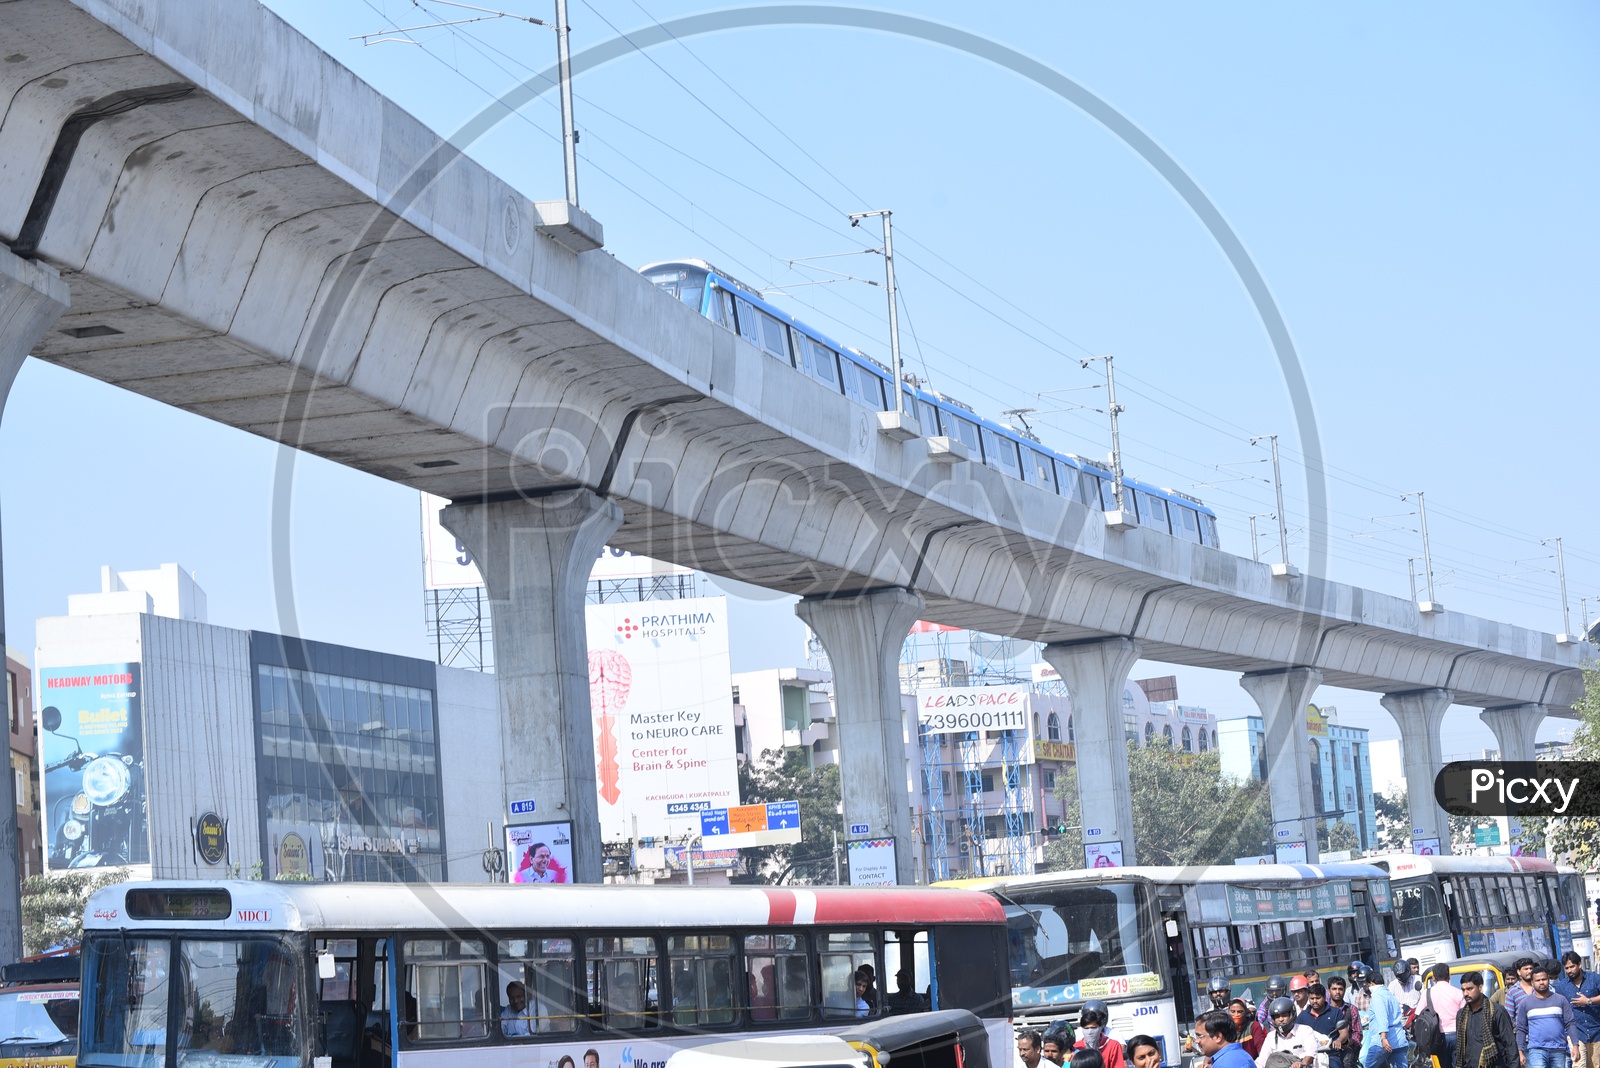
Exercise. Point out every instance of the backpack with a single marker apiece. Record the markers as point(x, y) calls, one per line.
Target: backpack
point(1427, 1032)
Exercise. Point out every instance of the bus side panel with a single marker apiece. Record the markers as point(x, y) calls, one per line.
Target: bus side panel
point(974, 969)
point(1157, 1018)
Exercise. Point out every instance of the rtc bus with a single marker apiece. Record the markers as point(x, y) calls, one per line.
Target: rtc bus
point(1450, 907)
point(351, 975)
point(1146, 939)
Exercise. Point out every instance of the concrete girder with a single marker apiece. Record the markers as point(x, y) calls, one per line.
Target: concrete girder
point(288, 111)
point(535, 557)
point(863, 636)
point(1282, 697)
point(1095, 673)
point(1420, 713)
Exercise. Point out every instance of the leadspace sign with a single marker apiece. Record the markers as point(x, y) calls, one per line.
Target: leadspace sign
point(958, 709)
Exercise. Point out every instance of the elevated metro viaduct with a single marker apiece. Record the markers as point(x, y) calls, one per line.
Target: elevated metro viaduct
point(203, 208)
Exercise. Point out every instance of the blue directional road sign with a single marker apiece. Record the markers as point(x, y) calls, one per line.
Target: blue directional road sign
point(714, 822)
point(781, 815)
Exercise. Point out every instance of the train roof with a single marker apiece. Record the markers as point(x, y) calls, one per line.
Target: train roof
point(1400, 865)
point(270, 906)
point(1177, 875)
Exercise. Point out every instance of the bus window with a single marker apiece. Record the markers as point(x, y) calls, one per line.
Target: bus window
point(905, 957)
point(1298, 939)
point(778, 976)
point(445, 990)
point(842, 954)
point(1273, 954)
point(1572, 902)
point(1342, 929)
point(1213, 951)
point(546, 970)
point(702, 979)
point(621, 981)
point(238, 995)
point(1523, 909)
point(1419, 915)
point(125, 1001)
point(1249, 949)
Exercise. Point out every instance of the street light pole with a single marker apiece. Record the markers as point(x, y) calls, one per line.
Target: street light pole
point(894, 313)
point(1115, 410)
point(1277, 487)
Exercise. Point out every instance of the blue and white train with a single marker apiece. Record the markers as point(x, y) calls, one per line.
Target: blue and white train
point(1017, 453)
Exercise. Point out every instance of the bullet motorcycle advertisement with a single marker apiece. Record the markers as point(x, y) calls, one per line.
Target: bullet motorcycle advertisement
point(93, 756)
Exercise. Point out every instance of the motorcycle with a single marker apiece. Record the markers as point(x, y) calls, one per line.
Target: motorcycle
point(103, 823)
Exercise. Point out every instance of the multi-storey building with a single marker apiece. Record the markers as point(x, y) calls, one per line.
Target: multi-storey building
point(24, 771)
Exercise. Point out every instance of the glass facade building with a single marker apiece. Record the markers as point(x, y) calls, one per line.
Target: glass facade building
point(348, 763)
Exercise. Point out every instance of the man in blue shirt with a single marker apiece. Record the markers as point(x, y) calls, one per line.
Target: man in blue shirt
point(1383, 1029)
point(1215, 1037)
point(1582, 989)
point(1546, 1030)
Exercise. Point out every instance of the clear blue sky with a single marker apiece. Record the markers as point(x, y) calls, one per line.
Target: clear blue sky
point(1416, 184)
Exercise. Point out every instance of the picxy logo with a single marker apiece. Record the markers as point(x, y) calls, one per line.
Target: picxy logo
point(1519, 788)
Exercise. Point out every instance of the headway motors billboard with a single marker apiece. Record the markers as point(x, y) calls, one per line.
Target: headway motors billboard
point(92, 744)
point(660, 694)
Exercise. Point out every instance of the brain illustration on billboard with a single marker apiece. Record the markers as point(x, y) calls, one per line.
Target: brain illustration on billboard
point(610, 679)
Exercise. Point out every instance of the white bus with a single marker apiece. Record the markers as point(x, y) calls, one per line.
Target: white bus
point(351, 975)
point(1452, 907)
point(1146, 940)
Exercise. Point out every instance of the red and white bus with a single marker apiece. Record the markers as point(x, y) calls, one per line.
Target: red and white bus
point(349, 975)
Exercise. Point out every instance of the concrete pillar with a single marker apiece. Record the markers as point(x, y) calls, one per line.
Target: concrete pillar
point(1515, 728)
point(1419, 714)
point(535, 556)
point(863, 635)
point(1095, 673)
point(32, 298)
point(1282, 697)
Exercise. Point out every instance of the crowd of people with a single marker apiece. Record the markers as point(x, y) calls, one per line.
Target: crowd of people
point(1548, 1016)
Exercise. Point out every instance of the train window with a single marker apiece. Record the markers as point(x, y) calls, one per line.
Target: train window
point(1041, 469)
point(1000, 453)
point(621, 981)
point(860, 384)
point(749, 323)
point(1075, 484)
point(1208, 532)
point(702, 979)
point(721, 309)
point(774, 338)
point(964, 431)
point(821, 363)
point(541, 974)
point(1153, 512)
point(1108, 495)
point(1187, 524)
point(929, 419)
point(778, 973)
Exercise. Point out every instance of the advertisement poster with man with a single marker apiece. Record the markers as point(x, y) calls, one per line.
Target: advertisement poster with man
point(92, 748)
point(539, 852)
point(659, 693)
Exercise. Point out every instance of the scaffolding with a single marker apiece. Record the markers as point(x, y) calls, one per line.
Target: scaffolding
point(970, 756)
point(1015, 848)
point(935, 844)
point(460, 626)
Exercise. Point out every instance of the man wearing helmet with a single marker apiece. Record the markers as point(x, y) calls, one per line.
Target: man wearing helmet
point(1288, 1044)
point(1406, 986)
point(1300, 992)
point(1092, 1033)
point(1276, 988)
point(1219, 991)
point(1383, 1028)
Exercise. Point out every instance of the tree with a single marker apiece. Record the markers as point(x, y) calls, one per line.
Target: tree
point(1394, 822)
point(787, 775)
point(1184, 810)
point(52, 906)
point(1335, 835)
point(1574, 840)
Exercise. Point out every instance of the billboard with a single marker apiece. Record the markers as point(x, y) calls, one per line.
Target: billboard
point(539, 852)
point(446, 563)
point(959, 709)
point(92, 750)
point(660, 694)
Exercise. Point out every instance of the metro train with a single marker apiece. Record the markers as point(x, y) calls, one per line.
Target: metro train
point(1013, 452)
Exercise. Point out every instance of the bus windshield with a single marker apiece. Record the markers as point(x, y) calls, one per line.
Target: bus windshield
point(1065, 936)
point(1418, 911)
point(236, 1003)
